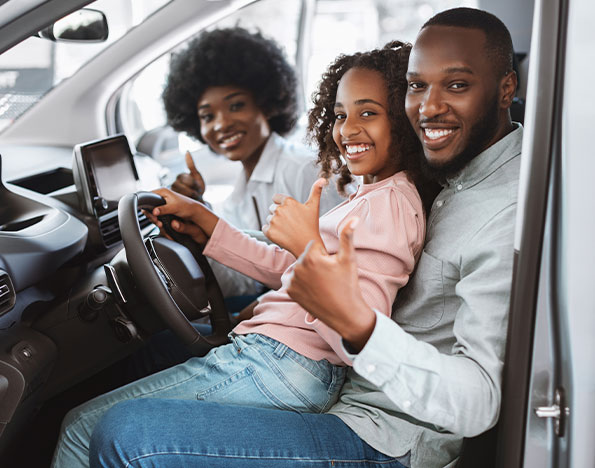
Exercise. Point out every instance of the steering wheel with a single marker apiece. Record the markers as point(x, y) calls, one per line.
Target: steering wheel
point(175, 277)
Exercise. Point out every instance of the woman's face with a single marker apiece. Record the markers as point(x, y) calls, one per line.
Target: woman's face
point(232, 124)
point(362, 129)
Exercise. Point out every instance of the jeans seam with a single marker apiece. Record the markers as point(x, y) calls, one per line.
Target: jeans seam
point(261, 457)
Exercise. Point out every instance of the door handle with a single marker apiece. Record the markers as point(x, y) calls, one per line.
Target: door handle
point(557, 411)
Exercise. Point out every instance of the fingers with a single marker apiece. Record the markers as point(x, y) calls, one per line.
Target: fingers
point(197, 176)
point(190, 229)
point(346, 251)
point(316, 192)
point(187, 186)
point(279, 198)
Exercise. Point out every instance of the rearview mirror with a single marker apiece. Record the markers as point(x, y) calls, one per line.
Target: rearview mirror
point(84, 25)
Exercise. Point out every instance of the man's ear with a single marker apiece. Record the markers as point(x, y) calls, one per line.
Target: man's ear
point(508, 89)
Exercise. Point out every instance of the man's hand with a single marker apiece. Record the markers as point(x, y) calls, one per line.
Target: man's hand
point(191, 184)
point(291, 224)
point(327, 286)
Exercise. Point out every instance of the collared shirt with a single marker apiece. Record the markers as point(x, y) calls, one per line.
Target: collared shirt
point(432, 375)
point(283, 167)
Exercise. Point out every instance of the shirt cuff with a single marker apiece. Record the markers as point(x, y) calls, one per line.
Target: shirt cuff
point(371, 362)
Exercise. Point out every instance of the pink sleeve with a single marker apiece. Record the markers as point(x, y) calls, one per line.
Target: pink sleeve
point(258, 260)
point(387, 241)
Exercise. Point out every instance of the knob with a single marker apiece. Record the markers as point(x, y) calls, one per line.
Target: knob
point(100, 204)
point(95, 301)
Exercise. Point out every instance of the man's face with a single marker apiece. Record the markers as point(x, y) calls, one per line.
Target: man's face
point(453, 97)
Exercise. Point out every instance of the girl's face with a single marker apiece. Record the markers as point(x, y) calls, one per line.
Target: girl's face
point(232, 124)
point(362, 126)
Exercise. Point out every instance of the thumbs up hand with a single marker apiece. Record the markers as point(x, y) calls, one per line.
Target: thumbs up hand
point(190, 184)
point(292, 225)
point(327, 286)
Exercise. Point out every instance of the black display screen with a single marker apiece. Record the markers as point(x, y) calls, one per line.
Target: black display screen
point(111, 166)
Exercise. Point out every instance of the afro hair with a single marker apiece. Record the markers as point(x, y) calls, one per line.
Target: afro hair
point(231, 57)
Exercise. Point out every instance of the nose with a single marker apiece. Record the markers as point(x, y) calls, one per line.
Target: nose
point(221, 121)
point(432, 103)
point(350, 127)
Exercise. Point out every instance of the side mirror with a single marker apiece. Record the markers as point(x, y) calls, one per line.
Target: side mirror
point(84, 25)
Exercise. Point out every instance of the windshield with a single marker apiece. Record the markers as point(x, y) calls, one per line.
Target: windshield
point(35, 66)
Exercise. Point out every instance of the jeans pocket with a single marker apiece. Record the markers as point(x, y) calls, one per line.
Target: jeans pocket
point(247, 388)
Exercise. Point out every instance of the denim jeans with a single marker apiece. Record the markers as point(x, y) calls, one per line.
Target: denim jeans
point(253, 370)
point(177, 433)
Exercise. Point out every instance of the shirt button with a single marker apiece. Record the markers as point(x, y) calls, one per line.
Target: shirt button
point(460, 187)
point(370, 368)
point(406, 404)
point(439, 203)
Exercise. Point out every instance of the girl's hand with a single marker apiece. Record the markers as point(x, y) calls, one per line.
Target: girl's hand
point(188, 228)
point(189, 210)
point(291, 224)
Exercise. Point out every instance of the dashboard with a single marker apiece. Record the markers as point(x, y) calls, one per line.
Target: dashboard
point(63, 316)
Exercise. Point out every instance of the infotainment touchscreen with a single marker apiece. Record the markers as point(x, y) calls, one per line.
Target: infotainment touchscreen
point(103, 172)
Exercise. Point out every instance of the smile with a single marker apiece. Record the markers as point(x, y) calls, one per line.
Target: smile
point(355, 150)
point(437, 138)
point(230, 141)
point(437, 133)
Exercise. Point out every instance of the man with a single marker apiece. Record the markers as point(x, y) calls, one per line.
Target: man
point(430, 376)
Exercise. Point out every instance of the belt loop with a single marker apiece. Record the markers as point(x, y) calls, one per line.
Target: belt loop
point(280, 350)
point(232, 338)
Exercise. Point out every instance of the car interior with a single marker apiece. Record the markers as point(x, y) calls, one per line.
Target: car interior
point(85, 281)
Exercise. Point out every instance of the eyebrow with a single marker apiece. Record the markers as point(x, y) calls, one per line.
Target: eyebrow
point(359, 102)
point(448, 71)
point(226, 98)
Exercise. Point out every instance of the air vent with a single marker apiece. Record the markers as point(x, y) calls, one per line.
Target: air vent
point(7, 295)
point(110, 231)
point(110, 228)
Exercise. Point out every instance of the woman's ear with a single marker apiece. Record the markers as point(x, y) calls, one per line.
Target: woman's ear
point(508, 86)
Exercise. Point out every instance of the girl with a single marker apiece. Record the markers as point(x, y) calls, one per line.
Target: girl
point(281, 358)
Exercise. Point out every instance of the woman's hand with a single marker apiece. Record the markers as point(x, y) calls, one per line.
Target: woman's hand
point(291, 224)
point(196, 219)
point(190, 184)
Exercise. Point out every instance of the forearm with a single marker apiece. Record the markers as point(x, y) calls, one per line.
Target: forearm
point(258, 260)
point(453, 392)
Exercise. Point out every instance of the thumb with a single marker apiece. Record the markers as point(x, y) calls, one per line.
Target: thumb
point(346, 251)
point(194, 172)
point(313, 249)
point(316, 193)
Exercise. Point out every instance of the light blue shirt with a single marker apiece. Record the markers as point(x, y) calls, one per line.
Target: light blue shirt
point(432, 375)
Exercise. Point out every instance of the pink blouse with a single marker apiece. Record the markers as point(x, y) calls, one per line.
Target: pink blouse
point(388, 240)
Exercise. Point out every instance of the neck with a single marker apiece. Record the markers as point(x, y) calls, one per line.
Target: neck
point(251, 162)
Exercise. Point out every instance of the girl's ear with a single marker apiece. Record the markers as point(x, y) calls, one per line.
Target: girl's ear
point(508, 86)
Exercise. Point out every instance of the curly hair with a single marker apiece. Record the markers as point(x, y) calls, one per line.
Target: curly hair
point(391, 62)
point(231, 57)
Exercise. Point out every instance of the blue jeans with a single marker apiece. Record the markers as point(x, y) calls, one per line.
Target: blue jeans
point(253, 370)
point(177, 433)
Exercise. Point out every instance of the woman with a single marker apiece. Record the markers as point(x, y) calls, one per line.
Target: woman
point(235, 91)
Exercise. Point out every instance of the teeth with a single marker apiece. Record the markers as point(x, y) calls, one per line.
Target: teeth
point(352, 149)
point(435, 133)
point(232, 139)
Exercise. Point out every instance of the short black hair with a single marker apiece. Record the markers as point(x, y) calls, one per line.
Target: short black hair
point(498, 41)
point(231, 57)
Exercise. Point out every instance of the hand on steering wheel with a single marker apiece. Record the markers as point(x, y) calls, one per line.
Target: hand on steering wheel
point(159, 286)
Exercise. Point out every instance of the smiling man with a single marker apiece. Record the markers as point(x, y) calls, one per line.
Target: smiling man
point(431, 375)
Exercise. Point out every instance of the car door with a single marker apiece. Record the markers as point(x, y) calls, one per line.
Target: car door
point(548, 404)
